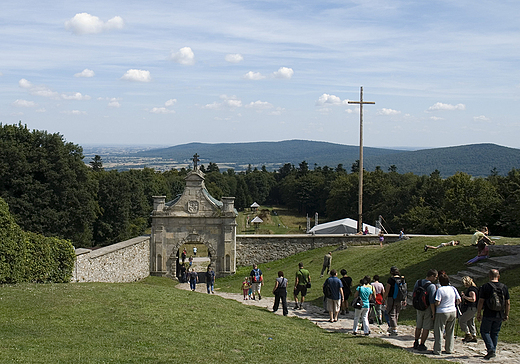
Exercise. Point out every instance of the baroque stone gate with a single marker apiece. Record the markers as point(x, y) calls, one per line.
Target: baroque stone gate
point(193, 217)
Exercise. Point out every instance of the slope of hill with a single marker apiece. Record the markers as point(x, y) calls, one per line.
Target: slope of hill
point(475, 159)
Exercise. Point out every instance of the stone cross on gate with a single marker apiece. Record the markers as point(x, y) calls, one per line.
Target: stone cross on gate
point(360, 201)
point(195, 160)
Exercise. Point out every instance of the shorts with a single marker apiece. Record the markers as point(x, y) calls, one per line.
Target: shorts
point(424, 319)
point(256, 287)
point(333, 305)
point(301, 288)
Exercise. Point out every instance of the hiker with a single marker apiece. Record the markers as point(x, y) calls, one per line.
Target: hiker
point(365, 291)
point(195, 251)
point(246, 286)
point(424, 303)
point(446, 299)
point(483, 253)
point(190, 261)
point(347, 283)
point(301, 282)
point(395, 298)
point(183, 273)
point(481, 234)
point(280, 293)
point(442, 245)
point(194, 278)
point(494, 298)
point(381, 238)
point(327, 259)
point(468, 309)
point(379, 290)
point(210, 280)
point(336, 295)
point(256, 279)
point(183, 255)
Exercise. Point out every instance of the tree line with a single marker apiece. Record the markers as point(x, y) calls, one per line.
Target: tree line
point(51, 191)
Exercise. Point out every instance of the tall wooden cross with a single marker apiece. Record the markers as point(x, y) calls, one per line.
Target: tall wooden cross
point(360, 200)
point(195, 160)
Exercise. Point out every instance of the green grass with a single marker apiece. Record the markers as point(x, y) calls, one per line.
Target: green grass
point(153, 322)
point(279, 221)
point(408, 255)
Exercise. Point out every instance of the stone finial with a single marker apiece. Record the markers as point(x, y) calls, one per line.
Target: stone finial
point(158, 203)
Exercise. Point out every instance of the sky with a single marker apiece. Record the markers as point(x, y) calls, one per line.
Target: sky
point(157, 72)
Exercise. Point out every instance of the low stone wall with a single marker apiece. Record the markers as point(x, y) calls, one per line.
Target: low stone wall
point(126, 261)
point(266, 248)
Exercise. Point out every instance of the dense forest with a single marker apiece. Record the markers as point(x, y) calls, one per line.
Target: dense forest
point(51, 191)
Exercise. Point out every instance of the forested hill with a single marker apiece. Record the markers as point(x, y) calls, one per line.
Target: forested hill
point(475, 159)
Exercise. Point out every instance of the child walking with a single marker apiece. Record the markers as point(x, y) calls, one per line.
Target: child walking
point(246, 286)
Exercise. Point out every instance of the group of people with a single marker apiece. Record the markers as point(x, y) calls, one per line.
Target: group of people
point(439, 305)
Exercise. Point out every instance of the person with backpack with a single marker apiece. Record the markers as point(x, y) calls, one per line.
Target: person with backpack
point(446, 300)
point(494, 299)
point(468, 309)
point(333, 290)
point(347, 283)
point(256, 281)
point(395, 298)
point(301, 283)
point(366, 291)
point(379, 291)
point(424, 303)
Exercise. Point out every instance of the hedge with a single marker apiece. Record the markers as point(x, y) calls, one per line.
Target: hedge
point(30, 257)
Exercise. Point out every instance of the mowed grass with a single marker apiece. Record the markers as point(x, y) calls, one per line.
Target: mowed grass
point(280, 221)
point(407, 255)
point(153, 322)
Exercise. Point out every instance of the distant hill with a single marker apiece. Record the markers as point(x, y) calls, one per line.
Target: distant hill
point(475, 159)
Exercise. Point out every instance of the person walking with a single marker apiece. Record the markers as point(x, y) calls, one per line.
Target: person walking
point(256, 279)
point(494, 299)
point(327, 259)
point(194, 278)
point(395, 298)
point(379, 290)
point(183, 255)
point(280, 293)
point(446, 299)
point(468, 309)
point(336, 295)
point(365, 290)
point(303, 278)
point(210, 280)
point(424, 290)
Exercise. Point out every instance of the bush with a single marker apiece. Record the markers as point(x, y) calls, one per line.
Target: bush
point(30, 257)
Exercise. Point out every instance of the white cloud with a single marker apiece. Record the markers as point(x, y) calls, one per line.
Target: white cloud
point(480, 118)
point(385, 111)
point(284, 72)
point(74, 112)
point(327, 99)
point(1, 74)
point(183, 56)
point(170, 102)
point(441, 106)
point(259, 105)
point(161, 110)
point(85, 73)
point(254, 76)
point(24, 103)
point(41, 110)
point(277, 111)
point(213, 106)
point(114, 103)
point(137, 75)
point(75, 96)
point(349, 111)
point(39, 90)
point(230, 102)
point(435, 118)
point(84, 23)
point(234, 58)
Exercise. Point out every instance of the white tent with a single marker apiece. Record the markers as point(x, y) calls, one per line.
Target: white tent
point(254, 205)
point(344, 226)
point(257, 220)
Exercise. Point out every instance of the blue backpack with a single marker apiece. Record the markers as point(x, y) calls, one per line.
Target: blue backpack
point(400, 289)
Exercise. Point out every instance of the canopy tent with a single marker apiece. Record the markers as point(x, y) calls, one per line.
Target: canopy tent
point(344, 226)
point(254, 205)
point(257, 220)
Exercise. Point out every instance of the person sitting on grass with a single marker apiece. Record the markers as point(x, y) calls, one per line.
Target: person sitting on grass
point(483, 252)
point(450, 243)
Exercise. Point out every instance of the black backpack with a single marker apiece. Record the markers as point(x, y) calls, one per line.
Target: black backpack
point(326, 289)
point(400, 289)
point(495, 302)
point(420, 297)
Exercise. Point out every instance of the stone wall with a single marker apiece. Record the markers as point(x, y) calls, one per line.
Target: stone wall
point(266, 248)
point(126, 261)
point(129, 260)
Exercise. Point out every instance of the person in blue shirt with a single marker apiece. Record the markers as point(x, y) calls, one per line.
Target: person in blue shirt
point(210, 280)
point(334, 301)
point(365, 290)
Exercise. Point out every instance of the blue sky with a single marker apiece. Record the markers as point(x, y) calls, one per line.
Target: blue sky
point(172, 72)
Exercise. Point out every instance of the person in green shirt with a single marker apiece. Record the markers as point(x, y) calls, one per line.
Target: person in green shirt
point(303, 278)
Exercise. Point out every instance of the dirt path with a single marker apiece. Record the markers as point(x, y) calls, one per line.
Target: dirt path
point(464, 353)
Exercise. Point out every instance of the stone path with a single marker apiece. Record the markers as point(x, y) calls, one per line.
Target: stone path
point(464, 353)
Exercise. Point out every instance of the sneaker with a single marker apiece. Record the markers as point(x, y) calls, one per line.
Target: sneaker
point(422, 347)
point(426, 248)
point(301, 306)
point(393, 333)
point(467, 338)
point(416, 344)
point(296, 307)
point(489, 355)
point(259, 297)
point(472, 340)
point(368, 333)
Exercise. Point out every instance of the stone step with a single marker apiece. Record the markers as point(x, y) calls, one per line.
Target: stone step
point(507, 260)
point(478, 271)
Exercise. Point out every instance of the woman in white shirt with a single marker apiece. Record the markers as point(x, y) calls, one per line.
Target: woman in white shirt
point(446, 299)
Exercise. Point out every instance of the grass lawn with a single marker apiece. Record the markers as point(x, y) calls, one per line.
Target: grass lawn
point(279, 220)
point(153, 322)
point(408, 255)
